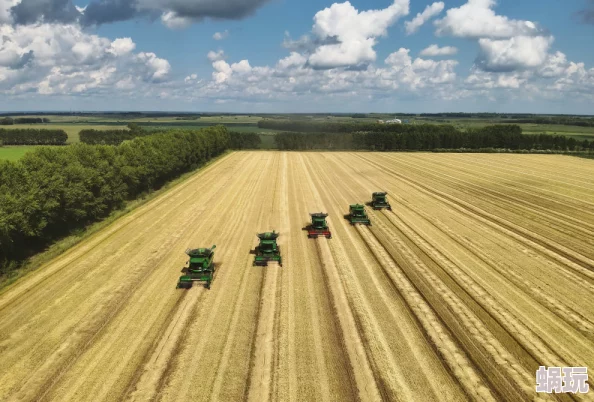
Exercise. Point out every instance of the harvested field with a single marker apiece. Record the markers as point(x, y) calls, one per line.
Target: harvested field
point(482, 271)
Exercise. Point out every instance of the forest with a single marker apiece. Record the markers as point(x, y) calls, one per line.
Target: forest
point(110, 137)
point(52, 191)
point(239, 140)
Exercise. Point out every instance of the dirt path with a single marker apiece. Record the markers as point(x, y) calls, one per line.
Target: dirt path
point(483, 271)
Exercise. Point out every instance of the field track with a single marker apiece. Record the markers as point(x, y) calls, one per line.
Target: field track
point(483, 271)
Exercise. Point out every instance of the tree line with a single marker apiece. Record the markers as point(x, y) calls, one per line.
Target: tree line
point(432, 137)
point(52, 191)
point(8, 121)
point(239, 140)
point(31, 136)
point(109, 137)
point(305, 126)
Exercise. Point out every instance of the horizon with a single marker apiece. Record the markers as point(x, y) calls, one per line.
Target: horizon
point(174, 112)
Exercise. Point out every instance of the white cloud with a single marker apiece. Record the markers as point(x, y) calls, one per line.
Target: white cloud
point(63, 59)
point(335, 64)
point(291, 79)
point(221, 35)
point(399, 77)
point(222, 72)
point(191, 78)
point(242, 67)
point(173, 21)
point(214, 56)
point(156, 69)
point(516, 53)
point(5, 6)
point(434, 50)
point(505, 44)
point(353, 32)
point(294, 60)
point(121, 46)
point(343, 54)
point(430, 11)
point(476, 19)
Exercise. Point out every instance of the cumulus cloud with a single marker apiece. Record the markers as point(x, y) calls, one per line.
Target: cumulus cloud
point(293, 60)
point(121, 46)
point(5, 10)
point(156, 69)
point(476, 19)
point(336, 61)
point(505, 44)
point(401, 76)
point(174, 13)
point(516, 53)
point(353, 33)
point(291, 78)
point(173, 21)
point(224, 71)
point(434, 50)
point(214, 56)
point(62, 59)
point(221, 35)
point(554, 79)
point(430, 11)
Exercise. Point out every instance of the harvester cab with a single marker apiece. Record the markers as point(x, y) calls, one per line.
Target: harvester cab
point(379, 201)
point(357, 214)
point(267, 250)
point(318, 226)
point(201, 267)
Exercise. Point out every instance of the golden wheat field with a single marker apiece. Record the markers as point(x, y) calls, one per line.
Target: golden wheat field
point(482, 272)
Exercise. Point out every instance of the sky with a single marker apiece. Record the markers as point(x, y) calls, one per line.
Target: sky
point(301, 56)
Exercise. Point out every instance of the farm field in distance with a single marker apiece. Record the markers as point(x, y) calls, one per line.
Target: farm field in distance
point(73, 124)
point(13, 153)
point(482, 271)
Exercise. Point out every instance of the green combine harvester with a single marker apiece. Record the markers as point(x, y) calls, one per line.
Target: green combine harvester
point(357, 214)
point(201, 268)
point(379, 201)
point(267, 250)
point(318, 226)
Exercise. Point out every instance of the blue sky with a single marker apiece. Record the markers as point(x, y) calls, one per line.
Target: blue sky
point(509, 56)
